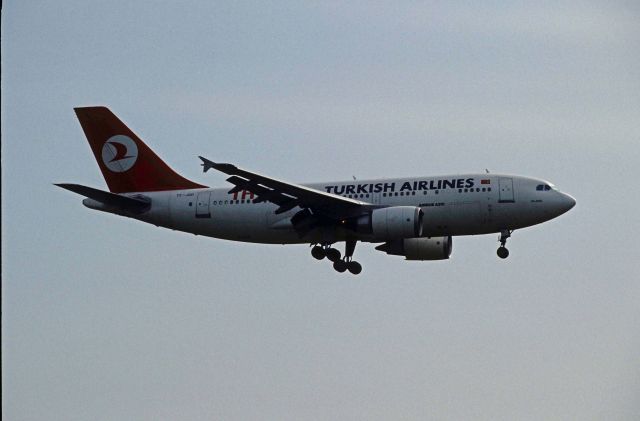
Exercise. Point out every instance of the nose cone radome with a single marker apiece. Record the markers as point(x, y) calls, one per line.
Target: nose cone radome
point(566, 203)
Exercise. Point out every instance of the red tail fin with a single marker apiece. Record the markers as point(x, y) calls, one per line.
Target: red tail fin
point(127, 164)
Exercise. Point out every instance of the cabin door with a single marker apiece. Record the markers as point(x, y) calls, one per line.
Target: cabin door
point(506, 190)
point(202, 205)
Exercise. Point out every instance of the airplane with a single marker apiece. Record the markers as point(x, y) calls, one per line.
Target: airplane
point(412, 217)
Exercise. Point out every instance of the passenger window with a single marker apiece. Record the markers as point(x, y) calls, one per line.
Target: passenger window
point(484, 189)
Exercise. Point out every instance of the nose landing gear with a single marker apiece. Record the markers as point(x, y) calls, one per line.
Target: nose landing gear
point(503, 252)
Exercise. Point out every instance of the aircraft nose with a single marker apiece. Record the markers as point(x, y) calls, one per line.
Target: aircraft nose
point(567, 202)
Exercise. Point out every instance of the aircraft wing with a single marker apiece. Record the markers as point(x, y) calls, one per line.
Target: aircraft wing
point(287, 195)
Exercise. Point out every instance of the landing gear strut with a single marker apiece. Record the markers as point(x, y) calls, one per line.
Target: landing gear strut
point(503, 252)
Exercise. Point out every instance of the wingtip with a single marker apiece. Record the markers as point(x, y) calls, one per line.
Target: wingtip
point(225, 168)
point(206, 164)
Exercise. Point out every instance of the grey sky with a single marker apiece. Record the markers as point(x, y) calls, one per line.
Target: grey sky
point(105, 318)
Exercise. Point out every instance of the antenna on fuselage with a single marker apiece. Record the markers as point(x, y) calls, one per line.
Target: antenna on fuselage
point(486, 170)
point(354, 177)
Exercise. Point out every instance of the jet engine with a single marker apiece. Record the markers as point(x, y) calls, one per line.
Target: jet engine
point(426, 248)
point(392, 222)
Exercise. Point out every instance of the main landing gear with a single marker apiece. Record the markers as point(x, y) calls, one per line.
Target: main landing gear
point(339, 264)
point(320, 252)
point(503, 252)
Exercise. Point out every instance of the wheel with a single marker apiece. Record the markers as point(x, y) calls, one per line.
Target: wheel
point(318, 252)
point(503, 253)
point(354, 267)
point(333, 254)
point(340, 265)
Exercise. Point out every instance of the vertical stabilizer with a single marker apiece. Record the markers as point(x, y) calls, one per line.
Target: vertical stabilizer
point(127, 164)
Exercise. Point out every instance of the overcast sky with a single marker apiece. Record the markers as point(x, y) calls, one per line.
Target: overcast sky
point(107, 318)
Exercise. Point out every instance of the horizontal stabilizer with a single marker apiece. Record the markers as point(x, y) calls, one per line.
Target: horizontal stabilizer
point(124, 203)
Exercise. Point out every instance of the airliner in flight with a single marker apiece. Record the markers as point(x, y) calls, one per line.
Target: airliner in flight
point(413, 217)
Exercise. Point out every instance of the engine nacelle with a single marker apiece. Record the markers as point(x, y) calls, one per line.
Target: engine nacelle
point(426, 248)
point(392, 222)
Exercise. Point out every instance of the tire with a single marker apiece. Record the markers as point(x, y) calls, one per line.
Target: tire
point(354, 267)
point(318, 252)
point(333, 255)
point(340, 266)
point(503, 253)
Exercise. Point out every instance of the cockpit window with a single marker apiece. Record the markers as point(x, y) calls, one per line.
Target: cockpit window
point(543, 187)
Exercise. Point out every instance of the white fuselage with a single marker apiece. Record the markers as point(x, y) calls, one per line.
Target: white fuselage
point(465, 204)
